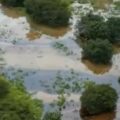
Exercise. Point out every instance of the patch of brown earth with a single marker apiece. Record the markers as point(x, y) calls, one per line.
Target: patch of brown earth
point(97, 68)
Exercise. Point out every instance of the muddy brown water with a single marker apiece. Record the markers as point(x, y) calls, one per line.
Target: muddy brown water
point(101, 4)
point(36, 29)
point(97, 69)
point(105, 116)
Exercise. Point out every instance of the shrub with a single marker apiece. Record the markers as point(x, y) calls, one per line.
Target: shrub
point(97, 99)
point(13, 3)
point(98, 51)
point(50, 12)
point(52, 116)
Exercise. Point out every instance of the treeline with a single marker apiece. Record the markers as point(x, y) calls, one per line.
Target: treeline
point(54, 13)
point(16, 103)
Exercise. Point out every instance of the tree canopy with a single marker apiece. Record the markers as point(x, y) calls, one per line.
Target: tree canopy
point(50, 12)
point(98, 51)
point(17, 104)
point(97, 99)
point(13, 3)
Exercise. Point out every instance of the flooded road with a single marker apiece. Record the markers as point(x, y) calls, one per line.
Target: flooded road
point(31, 53)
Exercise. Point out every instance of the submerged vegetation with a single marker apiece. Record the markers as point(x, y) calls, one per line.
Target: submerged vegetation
point(52, 13)
point(98, 51)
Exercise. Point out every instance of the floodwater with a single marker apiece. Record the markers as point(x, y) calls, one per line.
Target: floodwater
point(30, 54)
point(97, 68)
point(101, 4)
point(35, 29)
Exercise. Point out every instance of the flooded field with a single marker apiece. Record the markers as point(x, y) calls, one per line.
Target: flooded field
point(31, 52)
point(101, 4)
point(35, 29)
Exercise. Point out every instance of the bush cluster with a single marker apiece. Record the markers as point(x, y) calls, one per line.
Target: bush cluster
point(93, 27)
point(13, 3)
point(53, 13)
point(98, 51)
point(52, 116)
point(97, 99)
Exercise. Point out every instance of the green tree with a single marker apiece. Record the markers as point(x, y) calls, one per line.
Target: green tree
point(52, 116)
point(13, 3)
point(94, 26)
point(98, 51)
point(97, 99)
point(50, 12)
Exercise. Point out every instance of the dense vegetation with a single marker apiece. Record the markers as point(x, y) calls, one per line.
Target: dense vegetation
point(13, 3)
point(52, 116)
point(97, 35)
point(16, 103)
point(98, 51)
point(94, 27)
point(53, 13)
point(97, 99)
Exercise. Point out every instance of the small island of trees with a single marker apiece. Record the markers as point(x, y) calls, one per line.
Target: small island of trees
point(16, 103)
point(98, 37)
point(97, 99)
point(54, 13)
